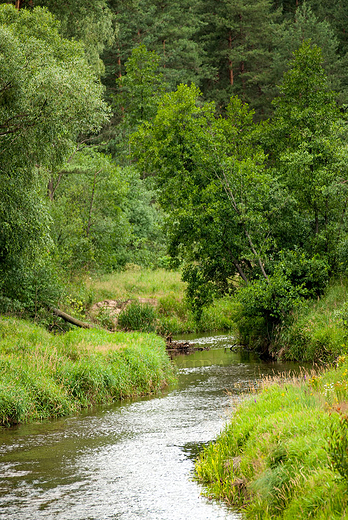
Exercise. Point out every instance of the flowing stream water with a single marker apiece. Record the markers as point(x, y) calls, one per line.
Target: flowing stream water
point(134, 459)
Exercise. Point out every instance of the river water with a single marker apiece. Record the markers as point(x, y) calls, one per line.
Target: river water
point(131, 460)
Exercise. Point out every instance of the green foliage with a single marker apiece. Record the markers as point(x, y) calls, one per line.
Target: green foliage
point(311, 273)
point(238, 38)
point(90, 227)
point(167, 29)
point(28, 288)
point(214, 182)
point(199, 293)
point(306, 25)
point(92, 23)
point(264, 307)
point(48, 97)
point(138, 316)
point(308, 150)
point(141, 87)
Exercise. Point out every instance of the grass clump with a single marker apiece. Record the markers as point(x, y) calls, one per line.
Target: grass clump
point(283, 454)
point(137, 316)
point(44, 376)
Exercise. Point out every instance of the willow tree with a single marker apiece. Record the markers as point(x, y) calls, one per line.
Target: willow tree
point(49, 96)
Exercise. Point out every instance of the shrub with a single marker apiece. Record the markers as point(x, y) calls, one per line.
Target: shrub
point(263, 308)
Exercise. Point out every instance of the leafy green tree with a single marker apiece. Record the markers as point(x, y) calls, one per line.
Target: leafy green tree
point(219, 199)
point(136, 99)
point(89, 227)
point(141, 86)
point(49, 96)
point(309, 151)
point(91, 22)
point(103, 215)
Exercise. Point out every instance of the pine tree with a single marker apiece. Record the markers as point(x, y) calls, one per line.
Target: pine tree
point(238, 39)
point(290, 35)
point(169, 29)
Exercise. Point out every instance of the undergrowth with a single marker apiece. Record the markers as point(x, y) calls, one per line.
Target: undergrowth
point(171, 315)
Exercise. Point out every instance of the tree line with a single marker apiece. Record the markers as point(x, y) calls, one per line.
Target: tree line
point(210, 135)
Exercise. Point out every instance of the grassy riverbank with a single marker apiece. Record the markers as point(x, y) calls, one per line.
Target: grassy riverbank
point(319, 331)
point(167, 291)
point(46, 376)
point(284, 454)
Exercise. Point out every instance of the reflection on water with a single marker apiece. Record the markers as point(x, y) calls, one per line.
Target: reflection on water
point(132, 460)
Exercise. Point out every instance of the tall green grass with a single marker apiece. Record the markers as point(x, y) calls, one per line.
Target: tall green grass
point(275, 458)
point(319, 332)
point(136, 283)
point(42, 375)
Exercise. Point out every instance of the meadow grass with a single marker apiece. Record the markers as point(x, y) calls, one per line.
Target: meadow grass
point(137, 282)
point(273, 459)
point(45, 376)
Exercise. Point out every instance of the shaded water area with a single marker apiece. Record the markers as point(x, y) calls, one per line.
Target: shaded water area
point(131, 460)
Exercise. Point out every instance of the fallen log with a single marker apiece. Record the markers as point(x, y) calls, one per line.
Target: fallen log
point(72, 320)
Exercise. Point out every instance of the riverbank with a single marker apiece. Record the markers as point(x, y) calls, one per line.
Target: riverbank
point(318, 331)
point(46, 376)
point(284, 454)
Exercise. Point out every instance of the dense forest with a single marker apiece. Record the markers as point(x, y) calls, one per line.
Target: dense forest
point(210, 136)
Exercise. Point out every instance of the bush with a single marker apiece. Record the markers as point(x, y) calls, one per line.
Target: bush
point(263, 307)
point(312, 274)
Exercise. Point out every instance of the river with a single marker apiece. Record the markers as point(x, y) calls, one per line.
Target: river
point(134, 459)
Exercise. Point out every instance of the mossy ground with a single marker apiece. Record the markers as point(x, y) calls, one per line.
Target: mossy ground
point(44, 375)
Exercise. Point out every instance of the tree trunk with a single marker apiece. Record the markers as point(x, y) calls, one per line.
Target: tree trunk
point(229, 60)
point(239, 269)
